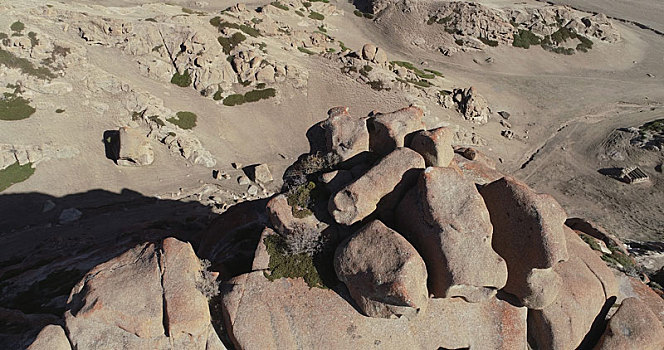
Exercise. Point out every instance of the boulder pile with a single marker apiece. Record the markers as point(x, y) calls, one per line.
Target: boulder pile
point(389, 239)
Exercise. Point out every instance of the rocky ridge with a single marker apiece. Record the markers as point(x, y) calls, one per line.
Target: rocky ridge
point(453, 270)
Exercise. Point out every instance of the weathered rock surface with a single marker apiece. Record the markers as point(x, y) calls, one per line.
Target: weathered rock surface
point(472, 105)
point(261, 174)
point(586, 285)
point(385, 182)
point(383, 272)
point(282, 219)
point(391, 130)
point(287, 314)
point(374, 54)
point(528, 234)
point(51, 337)
point(435, 146)
point(345, 135)
point(446, 220)
point(633, 326)
point(158, 305)
point(135, 148)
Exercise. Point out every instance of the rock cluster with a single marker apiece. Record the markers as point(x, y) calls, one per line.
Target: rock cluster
point(472, 105)
point(24, 154)
point(450, 255)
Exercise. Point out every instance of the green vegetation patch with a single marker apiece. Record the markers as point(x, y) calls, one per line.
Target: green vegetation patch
point(525, 38)
point(489, 42)
point(434, 72)
point(307, 51)
point(284, 265)
point(33, 39)
point(299, 13)
point(655, 126)
point(259, 94)
point(342, 46)
point(17, 26)
point(59, 111)
point(158, 121)
point(14, 174)
point(378, 85)
point(14, 107)
point(181, 80)
point(217, 95)
point(279, 5)
point(185, 120)
point(229, 44)
point(590, 241)
point(417, 71)
point(150, 20)
point(12, 61)
point(365, 70)
point(317, 16)
point(562, 35)
point(301, 198)
point(234, 100)
point(192, 12)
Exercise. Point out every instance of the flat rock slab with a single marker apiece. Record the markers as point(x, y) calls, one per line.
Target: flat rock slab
point(345, 135)
point(633, 326)
point(390, 131)
point(287, 314)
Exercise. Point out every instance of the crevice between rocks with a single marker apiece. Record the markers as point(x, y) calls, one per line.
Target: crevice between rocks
point(159, 252)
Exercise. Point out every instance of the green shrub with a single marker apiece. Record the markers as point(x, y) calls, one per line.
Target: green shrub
point(257, 95)
point(14, 174)
point(302, 198)
point(185, 120)
point(234, 100)
point(458, 42)
point(307, 51)
point(420, 83)
point(365, 70)
point(489, 42)
point(158, 121)
point(285, 265)
point(322, 28)
point(279, 5)
point(561, 35)
point(59, 111)
point(331, 49)
point(434, 72)
point(525, 38)
point(358, 13)
point(378, 85)
point(217, 95)
point(181, 80)
point(306, 4)
point(150, 20)
point(431, 20)
point(585, 45)
point(299, 13)
point(655, 126)
point(317, 16)
point(368, 15)
point(215, 21)
point(253, 32)
point(229, 44)
point(10, 60)
point(192, 12)
point(590, 241)
point(33, 39)
point(260, 86)
point(414, 69)
point(17, 26)
point(343, 46)
point(13, 106)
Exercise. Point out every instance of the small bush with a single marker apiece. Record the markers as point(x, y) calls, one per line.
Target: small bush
point(234, 100)
point(279, 5)
point(489, 42)
point(368, 15)
point(17, 26)
point(59, 111)
point(229, 44)
point(217, 95)
point(343, 46)
point(10, 60)
point(185, 120)
point(358, 13)
point(14, 107)
point(14, 174)
point(299, 13)
point(317, 16)
point(365, 70)
point(33, 39)
point(181, 80)
point(434, 72)
point(458, 42)
point(378, 85)
point(257, 95)
point(590, 241)
point(561, 35)
point(157, 120)
point(150, 20)
point(192, 12)
point(206, 283)
point(306, 4)
point(285, 265)
point(525, 38)
point(322, 28)
point(304, 50)
point(300, 199)
point(260, 86)
point(253, 32)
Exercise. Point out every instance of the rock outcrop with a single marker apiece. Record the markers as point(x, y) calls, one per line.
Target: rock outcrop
point(158, 306)
point(528, 234)
point(346, 136)
point(134, 148)
point(472, 105)
point(392, 130)
point(633, 326)
point(435, 146)
point(384, 273)
point(446, 220)
point(383, 184)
